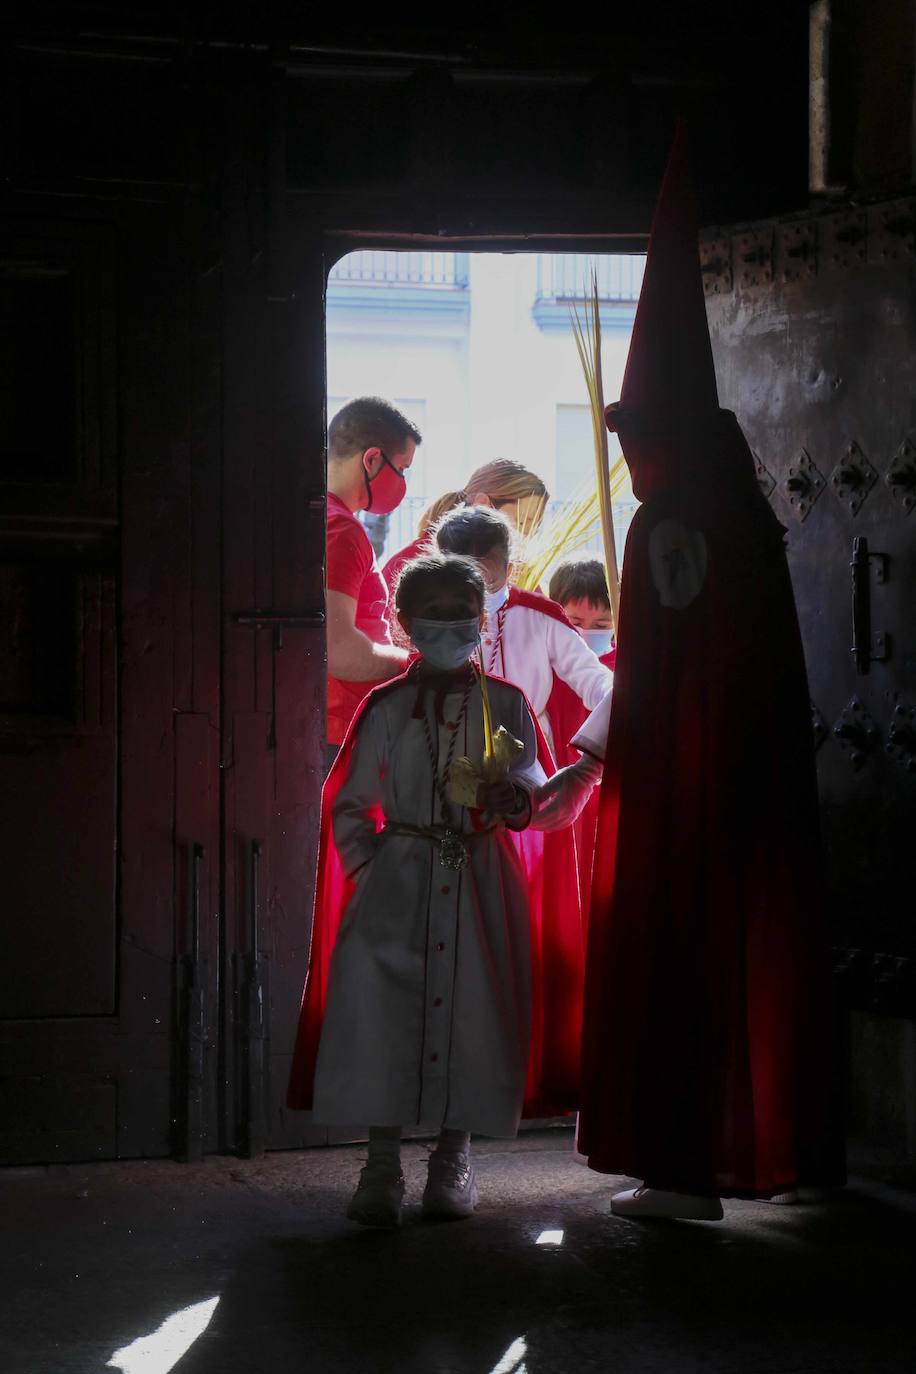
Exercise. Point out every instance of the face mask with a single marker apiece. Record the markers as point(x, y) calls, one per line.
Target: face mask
point(599, 641)
point(445, 644)
point(496, 600)
point(386, 490)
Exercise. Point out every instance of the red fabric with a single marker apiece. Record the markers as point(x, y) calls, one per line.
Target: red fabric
point(556, 949)
point(707, 1057)
point(391, 570)
point(706, 1043)
point(352, 569)
point(567, 716)
point(669, 375)
point(536, 601)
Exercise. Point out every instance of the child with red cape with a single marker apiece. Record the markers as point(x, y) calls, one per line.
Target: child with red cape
point(444, 982)
point(707, 1060)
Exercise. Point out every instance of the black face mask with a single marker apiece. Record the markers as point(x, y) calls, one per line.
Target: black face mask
point(390, 492)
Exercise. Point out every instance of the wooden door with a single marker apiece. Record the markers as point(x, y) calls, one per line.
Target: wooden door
point(274, 679)
point(108, 687)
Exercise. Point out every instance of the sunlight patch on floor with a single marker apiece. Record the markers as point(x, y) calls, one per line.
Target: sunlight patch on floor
point(513, 1362)
point(162, 1349)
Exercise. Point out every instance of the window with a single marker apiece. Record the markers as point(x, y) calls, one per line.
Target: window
point(575, 450)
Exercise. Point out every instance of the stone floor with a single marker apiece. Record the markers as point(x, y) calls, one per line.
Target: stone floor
point(250, 1267)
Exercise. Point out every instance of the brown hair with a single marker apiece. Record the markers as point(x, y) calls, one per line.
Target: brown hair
point(580, 579)
point(474, 532)
point(369, 422)
point(437, 567)
point(504, 480)
point(435, 511)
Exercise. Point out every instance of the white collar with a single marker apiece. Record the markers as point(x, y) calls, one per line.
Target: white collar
point(496, 600)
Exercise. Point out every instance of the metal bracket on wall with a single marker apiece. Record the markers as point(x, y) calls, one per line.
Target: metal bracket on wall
point(845, 238)
point(765, 479)
point(803, 485)
point(716, 265)
point(853, 478)
point(855, 732)
point(753, 252)
point(797, 250)
point(901, 736)
point(892, 232)
point(901, 476)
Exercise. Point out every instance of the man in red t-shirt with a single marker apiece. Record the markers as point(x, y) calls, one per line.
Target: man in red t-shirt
point(370, 447)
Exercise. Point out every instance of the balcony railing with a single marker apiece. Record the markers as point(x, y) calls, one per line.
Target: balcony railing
point(381, 268)
point(568, 276)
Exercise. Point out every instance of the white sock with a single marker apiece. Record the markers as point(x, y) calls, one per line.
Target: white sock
point(385, 1146)
point(453, 1142)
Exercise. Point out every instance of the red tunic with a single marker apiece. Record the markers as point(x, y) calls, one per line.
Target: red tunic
point(352, 569)
point(567, 716)
point(422, 544)
point(556, 951)
point(706, 1041)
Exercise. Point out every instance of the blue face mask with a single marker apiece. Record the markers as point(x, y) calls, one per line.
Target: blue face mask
point(445, 644)
point(599, 641)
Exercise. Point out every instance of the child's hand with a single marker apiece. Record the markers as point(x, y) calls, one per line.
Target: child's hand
point(497, 798)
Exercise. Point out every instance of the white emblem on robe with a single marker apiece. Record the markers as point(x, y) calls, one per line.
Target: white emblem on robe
point(677, 557)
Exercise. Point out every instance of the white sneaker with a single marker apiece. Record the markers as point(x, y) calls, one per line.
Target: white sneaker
point(451, 1188)
point(378, 1197)
point(652, 1202)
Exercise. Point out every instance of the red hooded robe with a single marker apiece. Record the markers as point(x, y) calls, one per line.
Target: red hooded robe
point(707, 1063)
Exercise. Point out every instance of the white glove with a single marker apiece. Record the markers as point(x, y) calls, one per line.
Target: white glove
point(561, 799)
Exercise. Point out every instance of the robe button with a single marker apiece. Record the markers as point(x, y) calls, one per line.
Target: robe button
point(445, 891)
point(437, 1001)
point(440, 947)
point(451, 725)
point(488, 641)
point(433, 1058)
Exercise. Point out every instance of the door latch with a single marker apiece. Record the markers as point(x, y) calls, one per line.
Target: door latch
point(867, 647)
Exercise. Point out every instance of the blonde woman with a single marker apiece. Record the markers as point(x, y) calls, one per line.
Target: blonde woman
point(506, 486)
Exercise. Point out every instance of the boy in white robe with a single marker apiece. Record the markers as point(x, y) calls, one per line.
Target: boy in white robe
point(428, 1012)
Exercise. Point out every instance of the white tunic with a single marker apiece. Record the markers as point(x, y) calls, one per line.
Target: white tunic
point(531, 648)
point(428, 1015)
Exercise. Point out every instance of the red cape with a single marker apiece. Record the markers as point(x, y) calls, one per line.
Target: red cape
point(556, 948)
point(422, 544)
point(707, 1063)
point(567, 716)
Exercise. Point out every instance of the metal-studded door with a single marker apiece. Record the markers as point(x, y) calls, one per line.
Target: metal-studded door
point(814, 333)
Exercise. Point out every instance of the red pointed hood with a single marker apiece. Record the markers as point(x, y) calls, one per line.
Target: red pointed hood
point(669, 383)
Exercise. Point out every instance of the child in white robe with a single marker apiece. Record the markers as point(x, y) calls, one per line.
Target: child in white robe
point(428, 1012)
